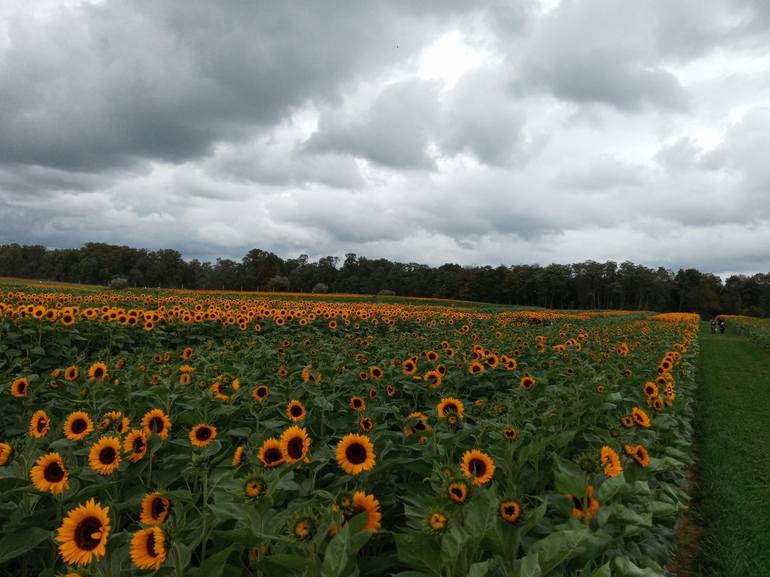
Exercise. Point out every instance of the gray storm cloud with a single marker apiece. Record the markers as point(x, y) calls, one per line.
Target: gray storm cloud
point(475, 133)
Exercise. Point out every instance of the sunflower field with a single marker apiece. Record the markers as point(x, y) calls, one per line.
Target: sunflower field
point(207, 435)
point(756, 329)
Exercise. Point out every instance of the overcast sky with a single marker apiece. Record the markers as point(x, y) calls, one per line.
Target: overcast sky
point(496, 132)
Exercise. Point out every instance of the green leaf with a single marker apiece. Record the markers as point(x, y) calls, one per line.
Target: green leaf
point(528, 566)
point(336, 557)
point(570, 479)
point(481, 516)
point(214, 565)
point(452, 544)
point(418, 550)
point(560, 547)
point(603, 571)
point(479, 569)
point(627, 568)
point(284, 560)
point(19, 542)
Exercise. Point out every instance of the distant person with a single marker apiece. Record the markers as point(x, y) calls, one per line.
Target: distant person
point(722, 325)
point(713, 326)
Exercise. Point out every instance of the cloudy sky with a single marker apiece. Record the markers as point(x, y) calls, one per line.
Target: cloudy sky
point(434, 131)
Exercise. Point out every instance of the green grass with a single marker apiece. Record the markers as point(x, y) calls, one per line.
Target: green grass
point(734, 456)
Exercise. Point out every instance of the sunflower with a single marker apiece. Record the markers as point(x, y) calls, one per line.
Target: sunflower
point(409, 366)
point(71, 373)
point(421, 425)
point(638, 453)
point(295, 410)
point(116, 420)
point(510, 510)
point(640, 417)
point(77, 426)
point(363, 502)
point(237, 456)
point(104, 456)
point(148, 548)
point(202, 435)
point(611, 462)
point(254, 487)
point(20, 387)
point(510, 434)
point(49, 474)
point(97, 371)
point(376, 373)
point(135, 445)
point(295, 443)
point(458, 491)
point(627, 422)
point(83, 533)
point(186, 353)
point(304, 529)
point(476, 368)
point(390, 390)
point(155, 509)
point(357, 403)
point(270, 454)
point(39, 424)
point(478, 466)
point(450, 405)
point(6, 451)
point(156, 421)
point(355, 453)
point(260, 393)
point(437, 522)
point(366, 424)
point(527, 381)
point(584, 508)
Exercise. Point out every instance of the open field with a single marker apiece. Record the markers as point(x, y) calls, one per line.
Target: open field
point(234, 434)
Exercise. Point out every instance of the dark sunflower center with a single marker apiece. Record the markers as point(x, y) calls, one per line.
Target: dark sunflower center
point(477, 467)
point(295, 447)
point(151, 545)
point(53, 472)
point(203, 434)
point(78, 426)
point(577, 504)
point(509, 510)
point(357, 402)
point(98, 372)
point(157, 425)
point(84, 533)
point(107, 455)
point(420, 426)
point(296, 411)
point(261, 392)
point(457, 492)
point(41, 424)
point(138, 445)
point(157, 508)
point(273, 455)
point(450, 407)
point(356, 453)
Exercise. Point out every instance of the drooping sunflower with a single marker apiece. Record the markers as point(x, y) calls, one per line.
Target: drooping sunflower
point(295, 444)
point(135, 445)
point(156, 422)
point(355, 454)
point(368, 503)
point(202, 435)
point(83, 533)
point(270, 454)
point(611, 462)
point(148, 548)
point(20, 387)
point(638, 453)
point(237, 456)
point(478, 466)
point(458, 492)
point(640, 417)
point(97, 372)
point(584, 508)
point(71, 373)
point(155, 509)
point(104, 456)
point(510, 510)
point(39, 424)
point(295, 411)
point(6, 451)
point(50, 475)
point(450, 405)
point(77, 426)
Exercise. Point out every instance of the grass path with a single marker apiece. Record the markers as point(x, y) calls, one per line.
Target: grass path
point(733, 431)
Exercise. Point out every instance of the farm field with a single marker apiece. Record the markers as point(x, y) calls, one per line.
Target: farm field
point(209, 434)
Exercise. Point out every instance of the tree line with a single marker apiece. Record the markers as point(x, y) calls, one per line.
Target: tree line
point(585, 285)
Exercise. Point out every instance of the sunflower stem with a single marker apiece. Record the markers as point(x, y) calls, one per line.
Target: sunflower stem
point(205, 507)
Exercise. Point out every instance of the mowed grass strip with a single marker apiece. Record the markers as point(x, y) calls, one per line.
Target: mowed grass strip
point(734, 457)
